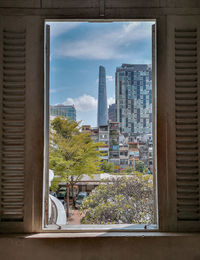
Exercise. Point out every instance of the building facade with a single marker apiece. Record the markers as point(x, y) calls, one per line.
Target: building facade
point(112, 113)
point(133, 94)
point(114, 144)
point(104, 137)
point(65, 111)
point(102, 114)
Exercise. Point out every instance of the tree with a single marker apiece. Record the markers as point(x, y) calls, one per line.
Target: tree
point(72, 154)
point(107, 167)
point(122, 200)
point(141, 167)
point(127, 170)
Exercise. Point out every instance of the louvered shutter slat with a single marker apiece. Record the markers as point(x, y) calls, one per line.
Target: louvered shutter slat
point(13, 122)
point(186, 122)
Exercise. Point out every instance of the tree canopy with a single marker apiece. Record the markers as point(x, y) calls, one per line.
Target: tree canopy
point(107, 167)
point(72, 153)
point(141, 167)
point(125, 200)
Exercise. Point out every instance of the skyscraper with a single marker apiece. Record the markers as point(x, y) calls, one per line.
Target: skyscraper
point(102, 115)
point(61, 110)
point(133, 94)
point(112, 113)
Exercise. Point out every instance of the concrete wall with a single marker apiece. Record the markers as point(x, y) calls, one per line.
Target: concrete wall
point(184, 247)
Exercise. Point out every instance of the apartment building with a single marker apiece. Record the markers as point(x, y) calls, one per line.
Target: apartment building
point(133, 94)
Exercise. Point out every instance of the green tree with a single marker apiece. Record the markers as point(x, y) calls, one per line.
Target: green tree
point(141, 167)
point(107, 167)
point(127, 170)
point(122, 200)
point(72, 154)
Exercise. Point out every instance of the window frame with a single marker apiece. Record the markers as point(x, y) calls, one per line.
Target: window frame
point(110, 227)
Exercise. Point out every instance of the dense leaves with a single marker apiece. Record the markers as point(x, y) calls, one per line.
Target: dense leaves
point(121, 200)
point(72, 153)
point(107, 167)
point(141, 167)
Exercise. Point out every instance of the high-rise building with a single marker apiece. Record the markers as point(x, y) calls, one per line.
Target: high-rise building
point(102, 115)
point(112, 113)
point(133, 94)
point(62, 110)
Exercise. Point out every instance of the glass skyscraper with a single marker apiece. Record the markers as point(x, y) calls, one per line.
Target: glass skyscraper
point(66, 111)
point(102, 115)
point(133, 94)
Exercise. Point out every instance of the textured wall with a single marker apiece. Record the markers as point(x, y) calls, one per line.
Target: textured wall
point(137, 248)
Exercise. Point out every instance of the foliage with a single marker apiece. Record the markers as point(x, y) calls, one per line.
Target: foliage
point(107, 167)
point(127, 170)
point(141, 167)
point(72, 153)
point(121, 200)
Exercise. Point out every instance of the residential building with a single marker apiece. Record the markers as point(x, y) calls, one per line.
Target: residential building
point(133, 94)
point(102, 114)
point(133, 153)
point(86, 129)
point(124, 155)
point(93, 131)
point(94, 134)
point(114, 144)
point(65, 111)
point(104, 137)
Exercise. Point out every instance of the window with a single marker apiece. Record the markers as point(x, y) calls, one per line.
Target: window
point(68, 188)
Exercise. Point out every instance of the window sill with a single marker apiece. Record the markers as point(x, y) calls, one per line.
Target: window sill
point(137, 235)
point(110, 234)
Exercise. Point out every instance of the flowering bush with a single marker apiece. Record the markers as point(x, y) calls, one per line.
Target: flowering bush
point(124, 200)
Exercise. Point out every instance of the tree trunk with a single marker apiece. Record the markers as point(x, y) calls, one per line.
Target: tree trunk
point(67, 200)
point(73, 197)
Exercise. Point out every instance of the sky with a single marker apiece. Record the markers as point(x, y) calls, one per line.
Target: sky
point(77, 49)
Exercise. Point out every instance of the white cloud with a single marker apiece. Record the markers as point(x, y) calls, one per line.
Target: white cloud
point(111, 100)
point(59, 28)
point(82, 103)
point(109, 78)
point(105, 45)
point(53, 90)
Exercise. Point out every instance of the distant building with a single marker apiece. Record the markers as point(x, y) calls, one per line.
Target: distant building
point(104, 137)
point(65, 111)
point(114, 144)
point(102, 114)
point(94, 134)
point(93, 131)
point(112, 113)
point(133, 94)
point(124, 155)
point(133, 153)
point(86, 129)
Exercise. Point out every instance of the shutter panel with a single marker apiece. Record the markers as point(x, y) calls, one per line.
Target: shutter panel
point(186, 65)
point(186, 105)
point(13, 125)
point(21, 123)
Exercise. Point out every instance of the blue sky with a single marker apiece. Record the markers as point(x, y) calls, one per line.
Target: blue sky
point(77, 51)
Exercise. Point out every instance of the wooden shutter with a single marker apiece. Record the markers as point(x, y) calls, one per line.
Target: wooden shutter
point(21, 123)
point(13, 125)
point(13, 77)
point(184, 125)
